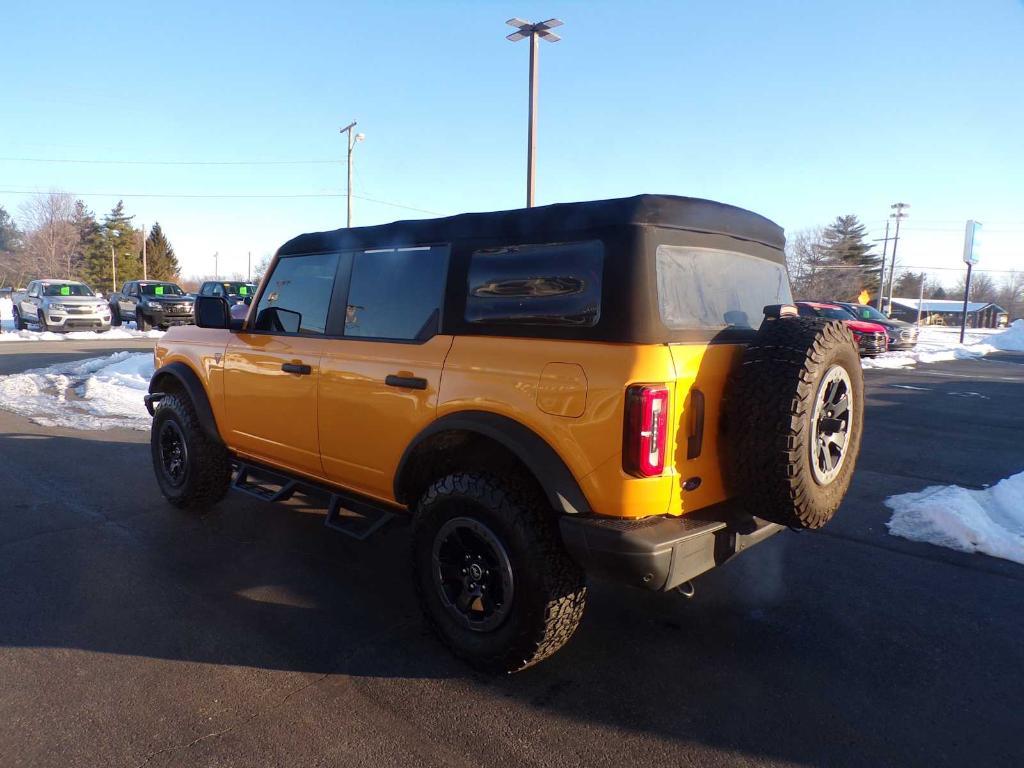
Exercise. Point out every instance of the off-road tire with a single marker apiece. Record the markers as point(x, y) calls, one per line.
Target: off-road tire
point(141, 322)
point(549, 590)
point(115, 315)
point(19, 322)
point(207, 465)
point(768, 420)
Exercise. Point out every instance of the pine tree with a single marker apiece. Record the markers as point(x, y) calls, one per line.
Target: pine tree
point(119, 234)
point(12, 243)
point(161, 262)
point(845, 245)
point(88, 229)
point(116, 234)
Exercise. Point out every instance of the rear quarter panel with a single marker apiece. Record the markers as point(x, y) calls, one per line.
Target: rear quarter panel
point(504, 375)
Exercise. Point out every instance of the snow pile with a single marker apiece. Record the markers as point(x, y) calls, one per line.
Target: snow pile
point(114, 334)
point(990, 521)
point(1010, 340)
point(99, 393)
point(938, 344)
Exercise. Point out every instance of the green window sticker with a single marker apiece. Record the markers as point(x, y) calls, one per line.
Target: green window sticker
point(159, 290)
point(243, 290)
point(65, 290)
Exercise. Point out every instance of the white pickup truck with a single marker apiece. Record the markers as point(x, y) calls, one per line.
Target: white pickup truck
point(60, 305)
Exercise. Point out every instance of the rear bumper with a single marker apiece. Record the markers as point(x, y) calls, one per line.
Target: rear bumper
point(658, 553)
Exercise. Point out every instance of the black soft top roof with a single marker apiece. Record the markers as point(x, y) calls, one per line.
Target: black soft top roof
point(549, 222)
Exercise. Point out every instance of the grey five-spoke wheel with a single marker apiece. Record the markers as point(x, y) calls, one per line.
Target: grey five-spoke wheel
point(472, 574)
point(831, 422)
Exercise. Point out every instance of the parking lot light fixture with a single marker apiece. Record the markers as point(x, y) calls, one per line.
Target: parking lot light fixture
point(538, 31)
point(899, 214)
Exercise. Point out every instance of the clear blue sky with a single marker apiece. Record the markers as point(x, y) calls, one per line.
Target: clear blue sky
point(799, 111)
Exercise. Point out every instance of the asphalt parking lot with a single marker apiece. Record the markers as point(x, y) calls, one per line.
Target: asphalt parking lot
point(132, 634)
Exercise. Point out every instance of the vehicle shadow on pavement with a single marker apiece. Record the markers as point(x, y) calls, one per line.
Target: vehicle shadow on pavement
point(807, 649)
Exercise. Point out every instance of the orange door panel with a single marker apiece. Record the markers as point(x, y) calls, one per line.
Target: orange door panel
point(375, 396)
point(270, 397)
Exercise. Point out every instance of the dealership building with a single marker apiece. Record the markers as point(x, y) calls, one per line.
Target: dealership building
point(950, 312)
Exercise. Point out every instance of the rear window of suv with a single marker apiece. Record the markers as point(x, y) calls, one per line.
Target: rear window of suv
point(710, 288)
point(556, 284)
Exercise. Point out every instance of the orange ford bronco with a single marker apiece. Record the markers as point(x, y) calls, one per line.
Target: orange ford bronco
point(618, 388)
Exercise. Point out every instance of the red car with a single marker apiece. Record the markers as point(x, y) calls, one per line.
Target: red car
point(871, 338)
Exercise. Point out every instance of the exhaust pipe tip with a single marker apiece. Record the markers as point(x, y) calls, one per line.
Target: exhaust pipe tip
point(686, 589)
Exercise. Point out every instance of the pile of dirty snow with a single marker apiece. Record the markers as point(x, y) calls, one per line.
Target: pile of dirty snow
point(98, 393)
point(938, 344)
point(114, 334)
point(990, 521)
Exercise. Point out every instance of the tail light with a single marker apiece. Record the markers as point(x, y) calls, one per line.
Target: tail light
point(646, 430)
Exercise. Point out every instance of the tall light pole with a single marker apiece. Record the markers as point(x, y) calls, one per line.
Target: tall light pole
point(543, 31)
point(216, 269)
point(899, 215)
point(881, 269)
point(351, 140)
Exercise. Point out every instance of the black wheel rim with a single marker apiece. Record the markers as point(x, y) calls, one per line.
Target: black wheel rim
point(173, 453)
point(472, 574)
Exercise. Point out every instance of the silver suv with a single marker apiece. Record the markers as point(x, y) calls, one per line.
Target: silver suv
point(61, 305)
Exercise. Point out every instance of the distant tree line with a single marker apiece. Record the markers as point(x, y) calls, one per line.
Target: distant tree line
point(836, 262)
point(58, 236)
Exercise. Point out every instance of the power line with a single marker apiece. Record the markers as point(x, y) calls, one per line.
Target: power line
point(231, 197)
point(169, 162)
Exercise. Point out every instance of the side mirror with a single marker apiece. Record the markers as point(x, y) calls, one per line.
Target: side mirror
point(212, 312)
point(247, 300)
point(278, 320)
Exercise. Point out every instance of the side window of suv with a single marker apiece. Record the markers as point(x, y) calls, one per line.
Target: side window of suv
point(551, 284)
point(298, 295)
point(396, 294)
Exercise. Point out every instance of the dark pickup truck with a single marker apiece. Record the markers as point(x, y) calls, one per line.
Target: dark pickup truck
point(151, 303)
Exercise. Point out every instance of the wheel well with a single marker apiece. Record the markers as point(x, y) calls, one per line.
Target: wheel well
point(168, 384)
point(456, 450)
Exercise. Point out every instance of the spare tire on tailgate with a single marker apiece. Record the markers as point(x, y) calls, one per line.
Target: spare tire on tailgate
point(794, 417)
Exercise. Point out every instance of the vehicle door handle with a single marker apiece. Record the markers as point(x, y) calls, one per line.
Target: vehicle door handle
point(406, 382)
point(299, 368)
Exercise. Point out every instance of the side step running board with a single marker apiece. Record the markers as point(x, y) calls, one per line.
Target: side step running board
point(346, 514)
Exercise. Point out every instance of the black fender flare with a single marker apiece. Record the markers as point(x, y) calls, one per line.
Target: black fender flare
point(193, 386)
point(554, 476)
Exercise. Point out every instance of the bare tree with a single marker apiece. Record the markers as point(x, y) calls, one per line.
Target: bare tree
point(1011, 294)
point(51, 238)
point(983, 288)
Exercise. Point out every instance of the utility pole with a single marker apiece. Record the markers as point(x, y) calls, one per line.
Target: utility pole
point(525, 29)
point(248, 274)
point(145, 270)
point(113, 270)
point(881, 269)
point(920, 298)
point(900, 214)
point(351, 141)
point(216, 269)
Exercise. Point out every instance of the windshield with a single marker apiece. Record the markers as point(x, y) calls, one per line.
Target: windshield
point(864, 312)
point(67, 289)
point(161, 289)
point(708, 288)
point(833, 312)
point(239, 289)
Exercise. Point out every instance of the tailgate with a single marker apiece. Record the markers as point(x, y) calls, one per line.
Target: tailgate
point(702, 371)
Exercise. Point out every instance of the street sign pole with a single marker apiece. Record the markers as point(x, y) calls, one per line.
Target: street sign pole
point(971, 253)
